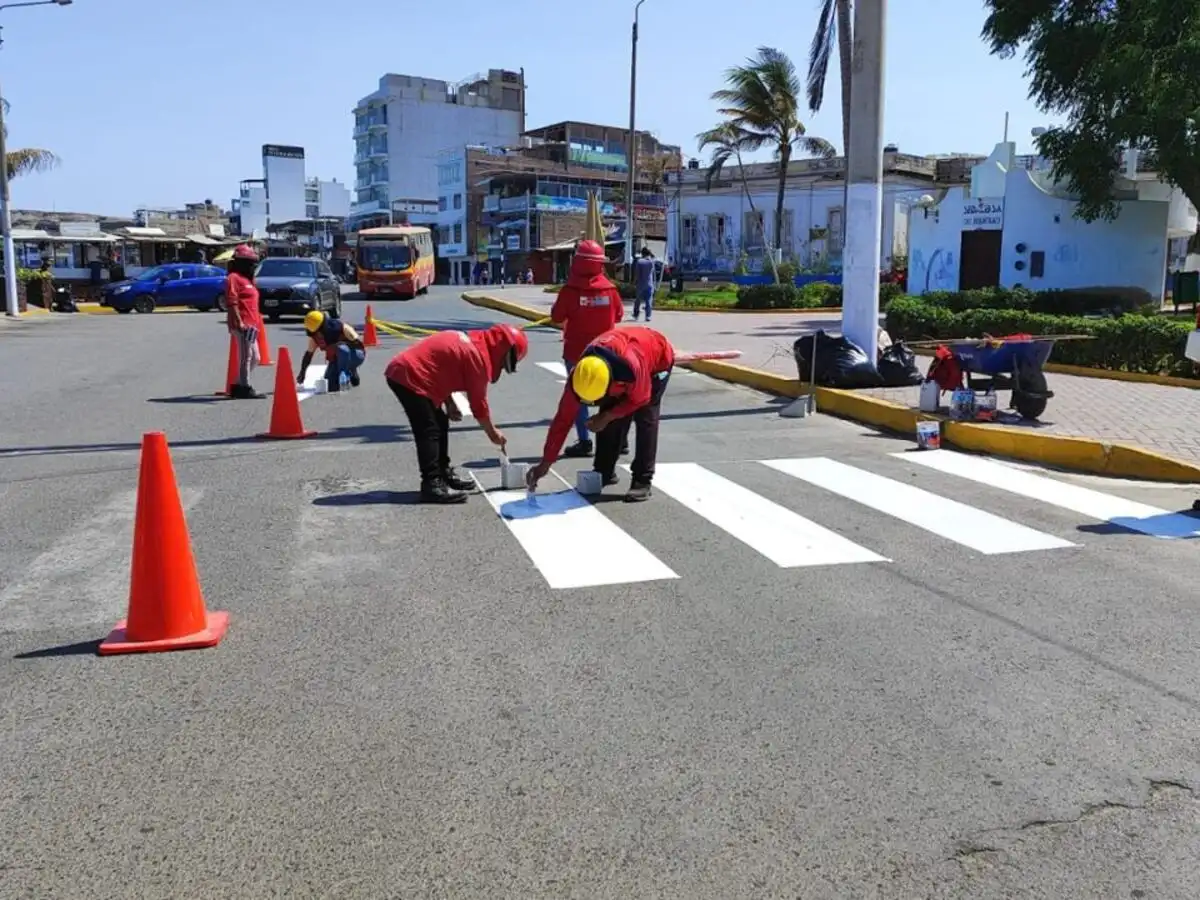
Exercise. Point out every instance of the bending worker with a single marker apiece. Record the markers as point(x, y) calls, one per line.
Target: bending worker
point(587, 306)
point(625, 373)
point(424, 378)
point(344, 349)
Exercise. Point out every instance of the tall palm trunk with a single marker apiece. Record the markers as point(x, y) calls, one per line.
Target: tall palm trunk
point(845, 40)
point(754, 211)
point(785, 157)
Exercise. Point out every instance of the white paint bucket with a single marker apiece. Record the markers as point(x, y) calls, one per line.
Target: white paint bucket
point(588, 483)
point(512, 475)
point(929, 435)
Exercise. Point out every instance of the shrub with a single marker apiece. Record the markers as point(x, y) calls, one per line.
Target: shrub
point(1150, 344)
point(1081, 302)
point(815, 295)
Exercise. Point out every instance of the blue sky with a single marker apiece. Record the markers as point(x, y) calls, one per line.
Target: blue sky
point(162, 102)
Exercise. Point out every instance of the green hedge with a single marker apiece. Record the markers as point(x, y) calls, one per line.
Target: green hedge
point(1088, 301)
point(1150, 344)
point(815, 295)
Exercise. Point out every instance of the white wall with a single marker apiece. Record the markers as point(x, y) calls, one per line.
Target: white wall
point(809, 206)
point(1129, 252)
point(253, 210)
point(333, 200)
point(285, 187)
point(451, 173)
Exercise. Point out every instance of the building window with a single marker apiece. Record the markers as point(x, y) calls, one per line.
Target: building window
point(785, 239)
point(834, 241)
point(312, 211)
point(689, 232)
point(752, 230)
point(458, 232)
point(458, 201)
point(716, 235)
point(444, 234)
point(441, 204)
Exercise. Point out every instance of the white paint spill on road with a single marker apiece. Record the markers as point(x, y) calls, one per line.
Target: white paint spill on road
point(312, 378)
point(83, 578)
point(948, 519)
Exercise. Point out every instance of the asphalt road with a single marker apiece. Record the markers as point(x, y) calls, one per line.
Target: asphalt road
point(814, 677)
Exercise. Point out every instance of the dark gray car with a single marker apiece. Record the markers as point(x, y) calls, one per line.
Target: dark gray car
point(294, 286)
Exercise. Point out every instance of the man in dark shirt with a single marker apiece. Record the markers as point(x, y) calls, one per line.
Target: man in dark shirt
point(643, 280)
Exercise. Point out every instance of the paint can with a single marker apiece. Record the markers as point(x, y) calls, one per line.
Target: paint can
point(929, 435)
point(931, 396)
point(588, 483)
point(512, 475)
point(320, 387)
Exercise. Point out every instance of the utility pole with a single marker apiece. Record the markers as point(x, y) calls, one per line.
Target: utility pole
point(864, 172)
point(631, 149)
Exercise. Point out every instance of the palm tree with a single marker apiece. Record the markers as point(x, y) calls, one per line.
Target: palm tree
point(762, 101)
point(834, 27)
point(27, 160)
point(726, 143)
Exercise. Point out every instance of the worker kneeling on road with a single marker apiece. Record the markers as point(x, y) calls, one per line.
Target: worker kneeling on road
point(424, 378)
point(344, 349)
point(587, 306)
point(625, 372)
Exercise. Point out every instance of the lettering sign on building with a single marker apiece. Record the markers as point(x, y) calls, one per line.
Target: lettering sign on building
point(283, 152)
point(983, 215)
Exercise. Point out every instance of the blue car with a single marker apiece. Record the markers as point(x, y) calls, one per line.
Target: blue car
point(176, 284)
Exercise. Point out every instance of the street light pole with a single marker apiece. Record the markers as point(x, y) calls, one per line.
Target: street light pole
point(864, 172)
point(11, 306)
point(631, 150)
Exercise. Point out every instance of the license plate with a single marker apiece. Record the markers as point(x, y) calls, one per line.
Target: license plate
point(271, 301)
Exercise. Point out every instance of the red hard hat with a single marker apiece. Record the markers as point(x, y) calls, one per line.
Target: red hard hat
point(244, 251)
point(590, 250)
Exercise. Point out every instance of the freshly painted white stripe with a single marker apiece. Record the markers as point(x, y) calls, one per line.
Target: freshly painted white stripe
point(1084, 501)
point(571, 542)
point(463, 404)
point(83, 578)
point(949, 519)
point(782, 536)
point(314, 375)
point(555, 368)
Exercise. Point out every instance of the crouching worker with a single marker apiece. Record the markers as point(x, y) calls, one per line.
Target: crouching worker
point(587, 306)
point(344, 349)
point(424, 378)
point(624, 372)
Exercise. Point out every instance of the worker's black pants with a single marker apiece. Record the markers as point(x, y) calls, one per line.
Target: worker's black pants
point(430, 431)
point(645, 423)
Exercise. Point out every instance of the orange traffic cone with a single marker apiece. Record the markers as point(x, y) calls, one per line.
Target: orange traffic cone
point(231, 369)
point(370, 338)
point(166, 606)
point(286, 424)
point(264, 349)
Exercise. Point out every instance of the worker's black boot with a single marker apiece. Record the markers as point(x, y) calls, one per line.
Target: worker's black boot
point(579, 450)
point(355, 381)
point(638, 492)
point(610, 479)
point(438, 491)
point(456, 482)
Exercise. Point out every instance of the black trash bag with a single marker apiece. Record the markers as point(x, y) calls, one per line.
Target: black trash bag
point(840, 363)
point(898, 366)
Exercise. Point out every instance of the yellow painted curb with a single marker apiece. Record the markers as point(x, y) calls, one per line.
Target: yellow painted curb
point(519, 310)
point(88, 308)
point(34, 312)
point(767, 382)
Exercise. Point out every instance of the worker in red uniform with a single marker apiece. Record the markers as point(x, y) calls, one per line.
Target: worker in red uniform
point(587, 306)
point(426, 375)
point(624, 372)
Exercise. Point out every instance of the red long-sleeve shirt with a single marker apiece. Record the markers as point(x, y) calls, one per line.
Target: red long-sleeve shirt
point(443, 363)
point(241, 300)
point(635, 355)
point(585, 314)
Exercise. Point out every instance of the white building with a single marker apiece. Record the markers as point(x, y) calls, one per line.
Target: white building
point(452, 214)
point(1014, 225)
point(326, 199)
point(724, 230)
point(286, 194)
point(401, 129)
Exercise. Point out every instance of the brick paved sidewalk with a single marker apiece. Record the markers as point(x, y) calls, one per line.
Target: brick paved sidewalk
point(1163, 419)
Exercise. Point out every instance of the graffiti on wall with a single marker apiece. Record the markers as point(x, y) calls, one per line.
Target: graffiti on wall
point(937, 273)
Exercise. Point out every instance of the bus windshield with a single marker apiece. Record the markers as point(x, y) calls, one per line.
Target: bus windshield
point(384, 256)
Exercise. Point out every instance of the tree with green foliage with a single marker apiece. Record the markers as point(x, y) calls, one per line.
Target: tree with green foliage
point(1124, 74)
point(834, 31)
point(27, 160)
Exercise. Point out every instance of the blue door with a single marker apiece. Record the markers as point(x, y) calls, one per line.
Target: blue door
point(173, 291)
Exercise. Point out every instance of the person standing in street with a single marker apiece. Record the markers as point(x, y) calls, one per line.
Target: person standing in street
point(424, 379)
point(242, 318)
point(643, 280)
point(587, 306)
point(625, 372)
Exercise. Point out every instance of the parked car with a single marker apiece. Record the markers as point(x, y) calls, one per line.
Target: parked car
point(293, 286)
point(176, 284)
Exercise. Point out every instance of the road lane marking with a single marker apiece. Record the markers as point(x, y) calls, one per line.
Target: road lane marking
point(949, 519)
point(557, 369)
point(312, 377)
point(787, 539)
point(571, 543)
point(83, 578)
point(1118, 511)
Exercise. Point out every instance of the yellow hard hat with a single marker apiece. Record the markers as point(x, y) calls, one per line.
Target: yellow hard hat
point(314, 320)
point(590, 379)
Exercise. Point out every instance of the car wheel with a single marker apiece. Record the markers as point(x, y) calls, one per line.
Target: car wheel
point(144, 305)
point(274, 317)
point(219, 303)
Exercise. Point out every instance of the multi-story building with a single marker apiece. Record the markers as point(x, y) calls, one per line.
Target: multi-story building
point(326, 199)
point(501, 203)
point(401, 129)
point(284, 194)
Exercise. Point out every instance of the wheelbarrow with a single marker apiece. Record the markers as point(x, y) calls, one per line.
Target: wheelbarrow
point(1008, 364)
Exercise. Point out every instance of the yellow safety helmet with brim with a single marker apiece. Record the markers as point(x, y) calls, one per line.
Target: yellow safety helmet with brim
point(590, 379)
point(313, 321)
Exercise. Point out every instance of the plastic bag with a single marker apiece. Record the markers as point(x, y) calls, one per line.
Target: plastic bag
point(898, 366)
point(840, 363)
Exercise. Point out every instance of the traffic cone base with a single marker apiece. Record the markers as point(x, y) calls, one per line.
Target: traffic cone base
point(286, 423)
point(298, 436)
point(215, 626)
point(231, 369)
point(264, 348)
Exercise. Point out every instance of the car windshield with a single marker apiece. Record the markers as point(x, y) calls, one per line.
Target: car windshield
point(154, 274)
point(384, 256)
point(287, 268)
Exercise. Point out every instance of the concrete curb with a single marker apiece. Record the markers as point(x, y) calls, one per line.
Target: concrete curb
point(88, 308)
point(1076, 454)
point(1109, 374)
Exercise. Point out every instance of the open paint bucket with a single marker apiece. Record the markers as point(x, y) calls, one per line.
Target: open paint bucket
point(512, 475)
point(929, 435)
point(588, 483)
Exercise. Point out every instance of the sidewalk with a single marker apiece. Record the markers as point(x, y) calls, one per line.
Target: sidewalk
point(1165, 420)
